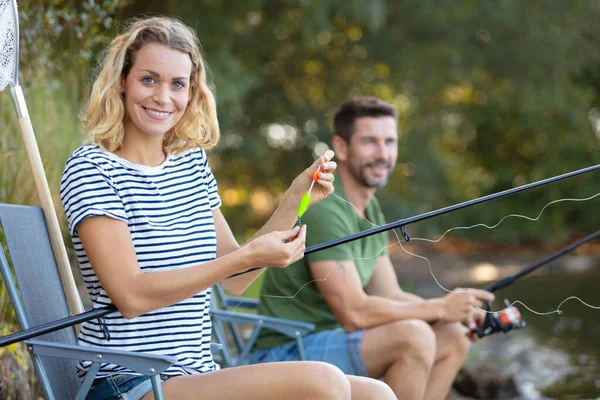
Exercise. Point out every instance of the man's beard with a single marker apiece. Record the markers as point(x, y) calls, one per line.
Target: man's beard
point(361, 174)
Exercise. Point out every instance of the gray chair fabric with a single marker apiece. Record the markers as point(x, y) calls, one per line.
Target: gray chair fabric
point(40, 287)
point(40, 299)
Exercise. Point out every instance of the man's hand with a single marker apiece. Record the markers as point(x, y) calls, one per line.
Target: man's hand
point(456, 306)
point(478, 296)
point(476, 320)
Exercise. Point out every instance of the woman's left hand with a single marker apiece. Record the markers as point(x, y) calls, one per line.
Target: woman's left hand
point(323, 186)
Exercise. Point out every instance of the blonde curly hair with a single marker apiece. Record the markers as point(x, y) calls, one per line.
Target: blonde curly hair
point(105, 112)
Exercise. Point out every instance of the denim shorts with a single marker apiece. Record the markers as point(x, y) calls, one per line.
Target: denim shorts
point(335, 346)
point(122, 387)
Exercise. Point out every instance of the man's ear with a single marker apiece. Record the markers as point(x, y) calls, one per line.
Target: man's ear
point(340, 147)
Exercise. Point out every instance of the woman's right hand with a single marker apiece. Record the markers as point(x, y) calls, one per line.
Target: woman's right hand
point(279, 248)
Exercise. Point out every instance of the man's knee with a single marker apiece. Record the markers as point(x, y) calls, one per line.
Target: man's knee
point(415, 340)
point(457, 342)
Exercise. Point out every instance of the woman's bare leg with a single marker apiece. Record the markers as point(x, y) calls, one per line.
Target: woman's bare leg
point(276, 381)
point(369, 389)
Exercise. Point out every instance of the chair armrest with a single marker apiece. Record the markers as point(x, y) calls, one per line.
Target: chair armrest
point(215, 348)
point(285, 326)
point(143, 363)
point(243, 302)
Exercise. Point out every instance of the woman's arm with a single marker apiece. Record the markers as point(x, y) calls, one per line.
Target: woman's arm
point(284, 217)
point(110, 250)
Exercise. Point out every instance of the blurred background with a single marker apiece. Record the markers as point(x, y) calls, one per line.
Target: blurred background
point(491, 95)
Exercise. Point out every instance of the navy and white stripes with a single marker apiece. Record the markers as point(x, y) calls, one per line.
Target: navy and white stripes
point(169, 213)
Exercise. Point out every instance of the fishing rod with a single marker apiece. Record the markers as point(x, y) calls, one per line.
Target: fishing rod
point(501, 284)
point(101, 312)
point(510, 318)
point(404, 222)
point(96, 313)
point(494, 322)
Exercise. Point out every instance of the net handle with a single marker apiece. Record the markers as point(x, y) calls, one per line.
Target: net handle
point(41, 183)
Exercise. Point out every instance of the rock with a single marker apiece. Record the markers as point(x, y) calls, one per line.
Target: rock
point(485, 382)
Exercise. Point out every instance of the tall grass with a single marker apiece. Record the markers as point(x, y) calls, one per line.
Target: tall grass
point(53, 112)
point(54, 118)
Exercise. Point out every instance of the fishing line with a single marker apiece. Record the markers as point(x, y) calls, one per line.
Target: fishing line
point(436, 280)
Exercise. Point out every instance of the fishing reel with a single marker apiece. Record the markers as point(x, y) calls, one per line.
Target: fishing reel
point(502, 321)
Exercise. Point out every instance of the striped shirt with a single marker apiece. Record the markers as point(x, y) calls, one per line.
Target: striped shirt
point(168, 209)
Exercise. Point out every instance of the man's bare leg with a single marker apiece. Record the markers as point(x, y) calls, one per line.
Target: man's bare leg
point(402, 353)
point(452, 346)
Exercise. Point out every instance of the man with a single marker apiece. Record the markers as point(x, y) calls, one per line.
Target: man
point(365, 323)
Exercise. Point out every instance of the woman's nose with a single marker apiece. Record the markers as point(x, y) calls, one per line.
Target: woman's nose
point(161, 95)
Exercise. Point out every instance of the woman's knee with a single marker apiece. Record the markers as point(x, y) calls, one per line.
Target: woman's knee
point(370, 389)
point(326, 381)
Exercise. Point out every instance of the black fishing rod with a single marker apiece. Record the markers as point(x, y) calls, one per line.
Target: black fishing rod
point(53, 326)
point(101, 312)
point(404, 222)
point(510, 318)
point(502, 283)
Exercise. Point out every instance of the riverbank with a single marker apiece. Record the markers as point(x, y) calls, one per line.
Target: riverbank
point(555, 356)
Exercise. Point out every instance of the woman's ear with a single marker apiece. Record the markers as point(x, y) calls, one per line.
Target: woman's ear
point(340, 147)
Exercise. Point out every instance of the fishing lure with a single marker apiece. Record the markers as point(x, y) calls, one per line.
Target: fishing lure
point(305, 202)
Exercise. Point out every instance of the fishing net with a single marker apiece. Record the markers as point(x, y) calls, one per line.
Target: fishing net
point(9, 42)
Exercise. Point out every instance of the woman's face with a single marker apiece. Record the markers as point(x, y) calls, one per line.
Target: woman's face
point(157, 90)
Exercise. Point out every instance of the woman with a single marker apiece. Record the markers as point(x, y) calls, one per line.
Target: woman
point(143, 210)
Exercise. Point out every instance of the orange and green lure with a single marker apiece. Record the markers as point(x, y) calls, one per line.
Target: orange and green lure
point(305, 202)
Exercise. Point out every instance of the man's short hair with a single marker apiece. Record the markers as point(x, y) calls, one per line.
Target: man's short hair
point(360, 107)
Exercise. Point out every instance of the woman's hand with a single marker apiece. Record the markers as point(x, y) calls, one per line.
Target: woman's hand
point(279, 248)
point(323, 186)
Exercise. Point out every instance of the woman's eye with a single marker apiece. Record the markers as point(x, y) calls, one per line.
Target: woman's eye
point(148, 80)
point(178, 85)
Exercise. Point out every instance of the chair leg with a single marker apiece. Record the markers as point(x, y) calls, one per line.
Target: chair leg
point(301, 353)
point(87, 382)
point(245, 355)
point(157, 387)
point(222, 338)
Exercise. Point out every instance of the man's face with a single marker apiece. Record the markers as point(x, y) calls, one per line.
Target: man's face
point(373, 150)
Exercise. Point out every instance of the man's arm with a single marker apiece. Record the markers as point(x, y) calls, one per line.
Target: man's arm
point(341, 287)
point(384, 282)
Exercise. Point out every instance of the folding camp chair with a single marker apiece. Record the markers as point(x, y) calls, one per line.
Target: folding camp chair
point(226, 329)
point(42, 302)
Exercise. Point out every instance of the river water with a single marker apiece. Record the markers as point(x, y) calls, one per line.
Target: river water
point(555, 356)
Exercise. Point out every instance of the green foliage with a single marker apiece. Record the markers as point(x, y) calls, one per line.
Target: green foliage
point(58, 41)
point(492, 95)
point(60, 38)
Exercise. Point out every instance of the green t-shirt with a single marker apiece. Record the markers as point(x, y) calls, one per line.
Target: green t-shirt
point(327, 220)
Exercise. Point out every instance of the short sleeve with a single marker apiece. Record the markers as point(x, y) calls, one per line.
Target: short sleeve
point(327, 214)
point(86, 190)
point(211, 184)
